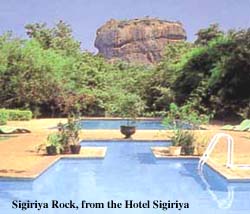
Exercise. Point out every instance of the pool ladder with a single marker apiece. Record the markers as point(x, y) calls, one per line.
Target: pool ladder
point(226, 202)
point(214, 141)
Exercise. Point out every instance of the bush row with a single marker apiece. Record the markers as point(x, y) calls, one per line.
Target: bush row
point(14, 114)
point(3, 117)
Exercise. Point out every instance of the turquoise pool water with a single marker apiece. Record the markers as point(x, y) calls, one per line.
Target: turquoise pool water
point(116, 123)
point(129, 172)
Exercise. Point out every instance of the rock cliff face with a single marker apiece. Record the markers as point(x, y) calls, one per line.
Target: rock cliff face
point(137, 40)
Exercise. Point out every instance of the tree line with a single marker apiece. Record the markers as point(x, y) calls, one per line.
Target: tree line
point(49, 74)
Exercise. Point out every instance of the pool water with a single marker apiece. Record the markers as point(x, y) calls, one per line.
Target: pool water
point(115, 124)
point(130, 172)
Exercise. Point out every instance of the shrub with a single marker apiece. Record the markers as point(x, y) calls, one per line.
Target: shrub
point(182, 138)
point(201, 143)
point(185, 139)
point(3, 117)
point(19, 115)
point(15, 114)
point(127, 106)
point(178, 116)
point(54, 142)
point(72, 130)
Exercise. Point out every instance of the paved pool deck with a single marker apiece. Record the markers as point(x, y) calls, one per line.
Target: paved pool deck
point(19, 158)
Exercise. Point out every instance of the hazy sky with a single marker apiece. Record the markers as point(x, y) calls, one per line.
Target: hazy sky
point(85, 16)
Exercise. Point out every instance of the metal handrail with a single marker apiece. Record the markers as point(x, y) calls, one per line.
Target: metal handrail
point(210, 148)
point(227, 202)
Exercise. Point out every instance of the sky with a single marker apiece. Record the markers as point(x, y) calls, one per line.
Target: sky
point(86, 16)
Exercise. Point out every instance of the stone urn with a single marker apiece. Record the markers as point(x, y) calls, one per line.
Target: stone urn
point(128, 131)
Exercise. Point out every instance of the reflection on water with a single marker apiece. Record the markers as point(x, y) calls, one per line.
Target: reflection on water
point(222, 192)
point(226, 200)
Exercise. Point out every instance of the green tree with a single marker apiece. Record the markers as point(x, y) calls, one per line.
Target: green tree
point(58, 37)
point(204, 36)
point(158, 92)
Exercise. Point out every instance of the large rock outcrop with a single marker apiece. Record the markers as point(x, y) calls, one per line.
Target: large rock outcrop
point(137, 40)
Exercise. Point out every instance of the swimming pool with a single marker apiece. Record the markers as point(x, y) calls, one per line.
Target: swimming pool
point(130, 172)
point(116, 123)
